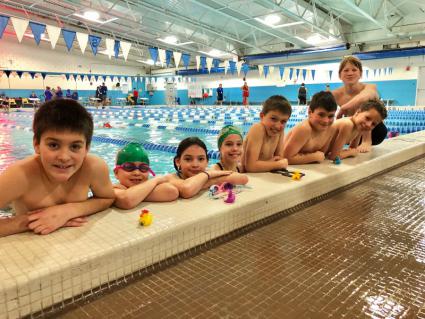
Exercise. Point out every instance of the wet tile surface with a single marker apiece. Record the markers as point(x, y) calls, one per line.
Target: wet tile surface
point(360, 253)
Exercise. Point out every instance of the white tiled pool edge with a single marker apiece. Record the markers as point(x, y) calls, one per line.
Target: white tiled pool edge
point(38, 271)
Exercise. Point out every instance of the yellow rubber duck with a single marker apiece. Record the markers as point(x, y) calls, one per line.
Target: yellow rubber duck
point(145, 218)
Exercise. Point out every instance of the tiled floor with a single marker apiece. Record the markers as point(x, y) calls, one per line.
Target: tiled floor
point(360, 253)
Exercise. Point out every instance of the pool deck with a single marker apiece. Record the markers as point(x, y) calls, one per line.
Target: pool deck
point(40, 271)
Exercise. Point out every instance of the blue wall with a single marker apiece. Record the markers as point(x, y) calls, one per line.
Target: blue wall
point(402, 92)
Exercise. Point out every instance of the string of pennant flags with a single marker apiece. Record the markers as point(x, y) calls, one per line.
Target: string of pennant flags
point(162, 56)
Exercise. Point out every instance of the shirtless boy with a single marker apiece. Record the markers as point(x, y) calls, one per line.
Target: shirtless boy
point(309, 141)
point(263, 145)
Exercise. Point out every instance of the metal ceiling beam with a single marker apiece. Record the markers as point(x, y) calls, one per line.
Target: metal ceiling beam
point(367, 16)
point(287, 37)
point(294, 16)
point(143, 5)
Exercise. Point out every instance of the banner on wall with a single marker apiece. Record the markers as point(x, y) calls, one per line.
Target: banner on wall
point(3, 23)
point(177, 57)
point(53, 33)
point(125, 47)
point(266, 70)
point(186, 60)
point(37, 30)
point(69, 37)
point(82, 39)
point(20, 26)
point(281, 70)
point(154, 54)
point(94, 43)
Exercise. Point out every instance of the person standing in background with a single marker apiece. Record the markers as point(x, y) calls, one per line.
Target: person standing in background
point(220, 94)
point(59, 93)
point(104, 93)
point(68, 94)
point(135, 96)
point(328, 88)
point(302, 95)
point(245, 94)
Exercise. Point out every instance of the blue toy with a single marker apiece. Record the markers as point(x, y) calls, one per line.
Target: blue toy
point(337, 160)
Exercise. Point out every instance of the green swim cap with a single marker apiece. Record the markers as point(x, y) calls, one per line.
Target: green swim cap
point(132, 152)
point(226, 131)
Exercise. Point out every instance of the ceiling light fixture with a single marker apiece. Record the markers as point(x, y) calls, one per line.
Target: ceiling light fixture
point(91, 15)
point(271, 19)
point(94, 17)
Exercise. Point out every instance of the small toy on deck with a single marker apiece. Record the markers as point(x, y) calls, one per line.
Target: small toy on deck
point(107, 125)
point(220, 191)
point(231, 197)
point(295, 175)
point(145, 218)
point(337, 160)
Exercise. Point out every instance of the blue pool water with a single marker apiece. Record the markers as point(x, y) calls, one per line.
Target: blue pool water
point(160, 129)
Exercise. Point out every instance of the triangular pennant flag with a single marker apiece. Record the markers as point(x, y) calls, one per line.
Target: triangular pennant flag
point(94, 43)
point(226, 66)
point(125, 47)
point(122, 79)
point(198, 61)
point(20, 26)
point(96, 77)
point(78, 77)
point(7, 72)
point(104, 78)
point(232, 66)
point(391, 70)
point(67, 76)
point(260, 69)
point(92, 79)
point(177, 57)
point(271, 70)
point(367, 74)
point(141, 78)
point(304, 74)
point(161, 55)
point(82, 39)
point(110, 47)
point(330, 74)
point(128, 79)
point(186, 59)
point(53, 33)
point(209, 64)
point(69, 37)
point(43, 75)
point(374, 72)
point(239, 67)
point(313, 74)
point(168, 55)
point(116, 49)
point(203, 62)
point(216, 63)
point(72, 77)
point(4, 20)
point(281, 70)
point(19, 73)
point(266, 70)
point(154, 54)
point(291, 73)
point(297, 73)
point(245, 68)
point(37, 30)
point(379, 72)
point(32, 75)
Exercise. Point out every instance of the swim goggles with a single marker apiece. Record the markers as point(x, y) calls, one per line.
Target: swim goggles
point(129, 167)
point(217, 189)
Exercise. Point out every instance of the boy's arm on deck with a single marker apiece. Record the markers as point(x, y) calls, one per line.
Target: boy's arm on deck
point(234, 178)
point(343, 134)
point(13, 184)
point(252, 153)
point(296, 141)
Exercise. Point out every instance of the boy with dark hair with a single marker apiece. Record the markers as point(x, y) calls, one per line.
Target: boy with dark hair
point(263, 145)
point(309, 140)
point(349, 130)
point(50, 189)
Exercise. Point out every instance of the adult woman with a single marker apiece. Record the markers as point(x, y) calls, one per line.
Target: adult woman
point(350, 96)
point(245, 94)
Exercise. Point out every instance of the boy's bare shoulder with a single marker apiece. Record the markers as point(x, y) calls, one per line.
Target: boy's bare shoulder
point(302, 128)
point(343, 123)
point(256, 129)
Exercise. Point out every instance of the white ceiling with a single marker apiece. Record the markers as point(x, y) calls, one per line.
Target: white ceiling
point(235, 27)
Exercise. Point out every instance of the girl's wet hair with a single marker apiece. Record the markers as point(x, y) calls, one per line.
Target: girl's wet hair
point(185, 144)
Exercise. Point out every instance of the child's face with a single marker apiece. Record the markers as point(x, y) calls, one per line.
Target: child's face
point(274, 122)
point(367, 120)
point(61, 153)
point(132, 178)
point(350, 74)
point(192, 161)
point(231, 149)
point(321, 119)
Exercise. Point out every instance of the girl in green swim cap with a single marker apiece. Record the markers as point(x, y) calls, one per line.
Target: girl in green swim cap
point(132, 171)
point(229, 143)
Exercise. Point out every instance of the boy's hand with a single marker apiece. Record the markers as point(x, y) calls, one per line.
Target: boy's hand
point(364, 148)
point(283, 163)
point(277, 158)
point(318, 156)
point(45, 221)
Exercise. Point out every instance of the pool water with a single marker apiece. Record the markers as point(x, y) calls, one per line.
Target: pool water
point(161, 129)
